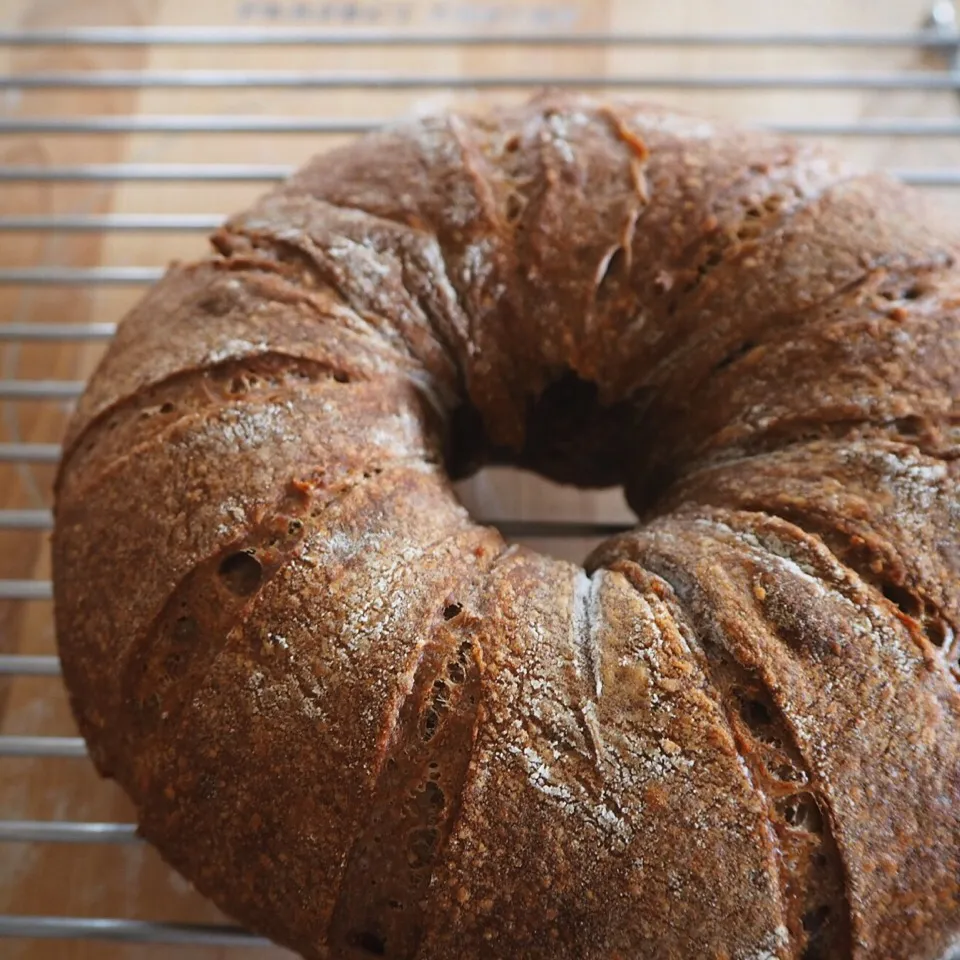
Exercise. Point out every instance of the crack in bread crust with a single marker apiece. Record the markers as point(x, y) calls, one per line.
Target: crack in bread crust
point(204, 387)
point(812, 875)
point(415, 801)
point(169, 662)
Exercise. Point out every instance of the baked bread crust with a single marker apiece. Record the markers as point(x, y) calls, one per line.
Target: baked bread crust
point(365, 726)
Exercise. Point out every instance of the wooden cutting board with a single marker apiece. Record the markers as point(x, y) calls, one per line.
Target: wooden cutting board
point(130, 880)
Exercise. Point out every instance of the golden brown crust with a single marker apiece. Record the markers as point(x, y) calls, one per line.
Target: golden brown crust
point(363, 726)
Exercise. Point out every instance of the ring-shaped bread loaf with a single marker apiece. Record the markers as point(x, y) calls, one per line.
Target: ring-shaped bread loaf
point(364, 725)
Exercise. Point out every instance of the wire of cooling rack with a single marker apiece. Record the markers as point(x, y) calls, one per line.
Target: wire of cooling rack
point(904, 127)
point(940, 38)
point(289, 80)
point(232, 173)
point(937, 35)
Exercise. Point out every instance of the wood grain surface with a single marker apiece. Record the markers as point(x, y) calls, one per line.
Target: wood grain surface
point(130, 880)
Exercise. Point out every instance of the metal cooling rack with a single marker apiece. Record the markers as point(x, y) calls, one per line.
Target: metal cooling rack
point(939, 41)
